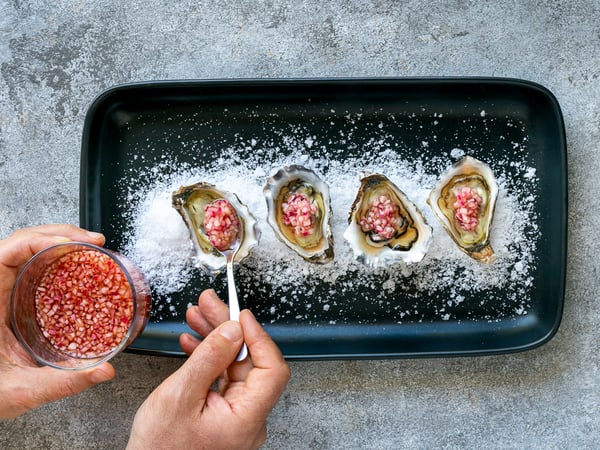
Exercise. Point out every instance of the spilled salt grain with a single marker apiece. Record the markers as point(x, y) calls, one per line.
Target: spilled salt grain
point(457, 153)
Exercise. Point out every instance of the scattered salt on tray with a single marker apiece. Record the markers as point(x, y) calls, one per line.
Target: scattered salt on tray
point(159, 242)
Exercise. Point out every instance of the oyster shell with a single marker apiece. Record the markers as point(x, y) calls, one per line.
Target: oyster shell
point(384, 226)
point(464, 199)
point(190, 201)
point(299, 211)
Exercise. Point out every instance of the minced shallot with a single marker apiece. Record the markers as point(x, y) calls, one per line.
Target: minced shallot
point(221, 224)
point(300, 214)
point(381, 219)
point(467, 207)
point(84, 304)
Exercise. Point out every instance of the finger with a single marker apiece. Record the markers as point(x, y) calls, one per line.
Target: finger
point(49, 384)
point(208, 361)
point(266, 382)
point(188, 343)
point(24, 243)
point(210, 312)
point(197, 322)
point(213, 308)
point(18, 249)
point(203, 319)
point(69, 231)
point(223, 383)
point(265, 353)
point(239, 371)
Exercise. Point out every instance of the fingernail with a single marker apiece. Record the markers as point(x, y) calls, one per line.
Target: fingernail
point(100, 376)
point(213, 294)
point(94, 235)
point(195, 310)
point(231, 330)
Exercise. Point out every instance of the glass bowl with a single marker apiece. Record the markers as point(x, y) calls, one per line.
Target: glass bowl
point(75, 305)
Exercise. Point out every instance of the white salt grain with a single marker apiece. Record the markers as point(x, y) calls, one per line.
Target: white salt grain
point(457, 153)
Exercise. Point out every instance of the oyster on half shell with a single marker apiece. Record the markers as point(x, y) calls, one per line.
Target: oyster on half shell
point(299, 211)
point(384, 226)
point(464, 199)
point(192, 202)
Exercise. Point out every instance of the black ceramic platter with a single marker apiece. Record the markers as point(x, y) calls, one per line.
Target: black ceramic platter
point(138, 132)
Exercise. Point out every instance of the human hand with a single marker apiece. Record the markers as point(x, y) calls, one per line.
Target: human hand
point(183, 412)
point(24, 385)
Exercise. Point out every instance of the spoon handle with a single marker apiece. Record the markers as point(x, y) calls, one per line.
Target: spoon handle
point(234, 306)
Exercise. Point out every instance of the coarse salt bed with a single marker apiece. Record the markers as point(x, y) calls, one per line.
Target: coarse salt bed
point(159, 242)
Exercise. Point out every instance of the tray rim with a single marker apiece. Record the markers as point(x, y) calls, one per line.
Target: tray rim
point(105, 95)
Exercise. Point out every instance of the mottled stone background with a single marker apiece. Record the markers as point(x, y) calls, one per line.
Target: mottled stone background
point(56, 56)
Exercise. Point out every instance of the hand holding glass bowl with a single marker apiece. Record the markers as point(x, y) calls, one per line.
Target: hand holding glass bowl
point(76, 305)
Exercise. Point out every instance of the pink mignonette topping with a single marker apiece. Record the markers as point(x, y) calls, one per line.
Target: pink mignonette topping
point(84, 304)
point(300, 214)
point(467, 207)
point(221, 224)
point(381, 219)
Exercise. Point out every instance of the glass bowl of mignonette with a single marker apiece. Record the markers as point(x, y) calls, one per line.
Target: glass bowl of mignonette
point(76, 305)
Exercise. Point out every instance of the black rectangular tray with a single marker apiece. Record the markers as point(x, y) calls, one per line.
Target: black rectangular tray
point(147, 112)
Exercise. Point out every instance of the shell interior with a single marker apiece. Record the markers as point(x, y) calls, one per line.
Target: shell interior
point(316, 246)
point(407, 240)
point(190, 201)
point(472, 174)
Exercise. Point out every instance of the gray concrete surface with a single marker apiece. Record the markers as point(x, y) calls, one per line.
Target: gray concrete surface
point(55, 56)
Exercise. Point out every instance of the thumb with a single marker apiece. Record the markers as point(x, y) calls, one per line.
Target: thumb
point(50, 384)
point(209, 360)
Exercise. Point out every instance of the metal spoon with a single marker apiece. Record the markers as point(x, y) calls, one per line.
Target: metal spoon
point(234, 306)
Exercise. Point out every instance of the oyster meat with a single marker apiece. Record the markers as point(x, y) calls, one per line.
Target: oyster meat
point(299, 211)
point(384, 226)
point(214, 218)
point(464, 199)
